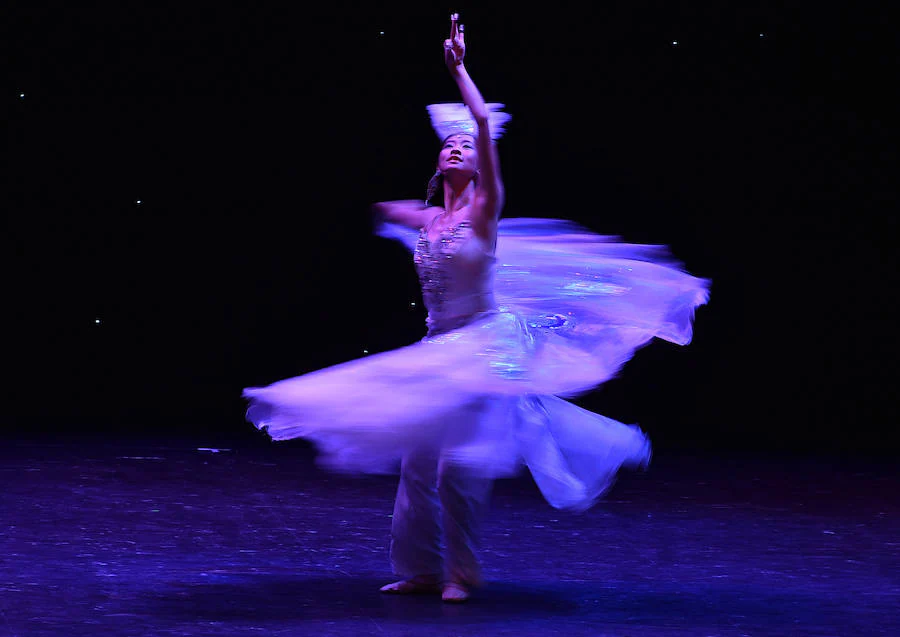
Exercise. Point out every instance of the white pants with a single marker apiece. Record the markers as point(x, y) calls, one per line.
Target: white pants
point(435, 529)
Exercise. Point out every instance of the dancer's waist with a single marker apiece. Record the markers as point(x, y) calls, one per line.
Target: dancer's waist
point(448, 315)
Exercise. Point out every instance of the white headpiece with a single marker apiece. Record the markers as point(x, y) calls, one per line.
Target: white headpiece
point(452, 118)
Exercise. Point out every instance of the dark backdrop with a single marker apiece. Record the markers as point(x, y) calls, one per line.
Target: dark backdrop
point(197, 179)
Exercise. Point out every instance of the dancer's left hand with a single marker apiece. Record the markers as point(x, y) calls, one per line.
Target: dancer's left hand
point(455, 45)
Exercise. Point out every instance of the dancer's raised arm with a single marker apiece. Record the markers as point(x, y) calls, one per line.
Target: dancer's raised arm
point(467, 180)
point(490, 192)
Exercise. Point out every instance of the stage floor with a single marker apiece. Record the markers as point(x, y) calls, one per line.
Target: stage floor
point(161, 538)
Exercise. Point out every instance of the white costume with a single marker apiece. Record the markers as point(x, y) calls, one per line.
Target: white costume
point(554, 311)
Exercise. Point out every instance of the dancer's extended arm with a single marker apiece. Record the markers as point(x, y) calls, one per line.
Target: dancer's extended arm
point(413, 213)
point(490, 184)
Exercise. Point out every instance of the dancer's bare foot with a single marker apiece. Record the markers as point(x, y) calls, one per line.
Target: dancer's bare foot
point(414, 585)
point(454, 593)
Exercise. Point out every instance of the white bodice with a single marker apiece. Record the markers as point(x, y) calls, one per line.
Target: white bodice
point(456, 272)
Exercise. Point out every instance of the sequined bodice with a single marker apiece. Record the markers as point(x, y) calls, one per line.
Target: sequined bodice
point(456, 272)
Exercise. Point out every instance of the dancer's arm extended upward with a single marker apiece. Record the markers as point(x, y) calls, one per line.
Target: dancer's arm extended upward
point(490, 193)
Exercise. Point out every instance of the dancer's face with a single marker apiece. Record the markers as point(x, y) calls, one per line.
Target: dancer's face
point(458, 154)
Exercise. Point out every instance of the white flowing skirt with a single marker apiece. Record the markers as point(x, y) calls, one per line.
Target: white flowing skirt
point(490, 394)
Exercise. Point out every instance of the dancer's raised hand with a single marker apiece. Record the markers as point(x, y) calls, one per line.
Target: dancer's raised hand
point(455, 45)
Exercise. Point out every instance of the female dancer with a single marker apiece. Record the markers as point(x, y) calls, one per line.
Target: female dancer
point(521, 312)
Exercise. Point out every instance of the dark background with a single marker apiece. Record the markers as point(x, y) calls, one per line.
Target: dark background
point(760, 147)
